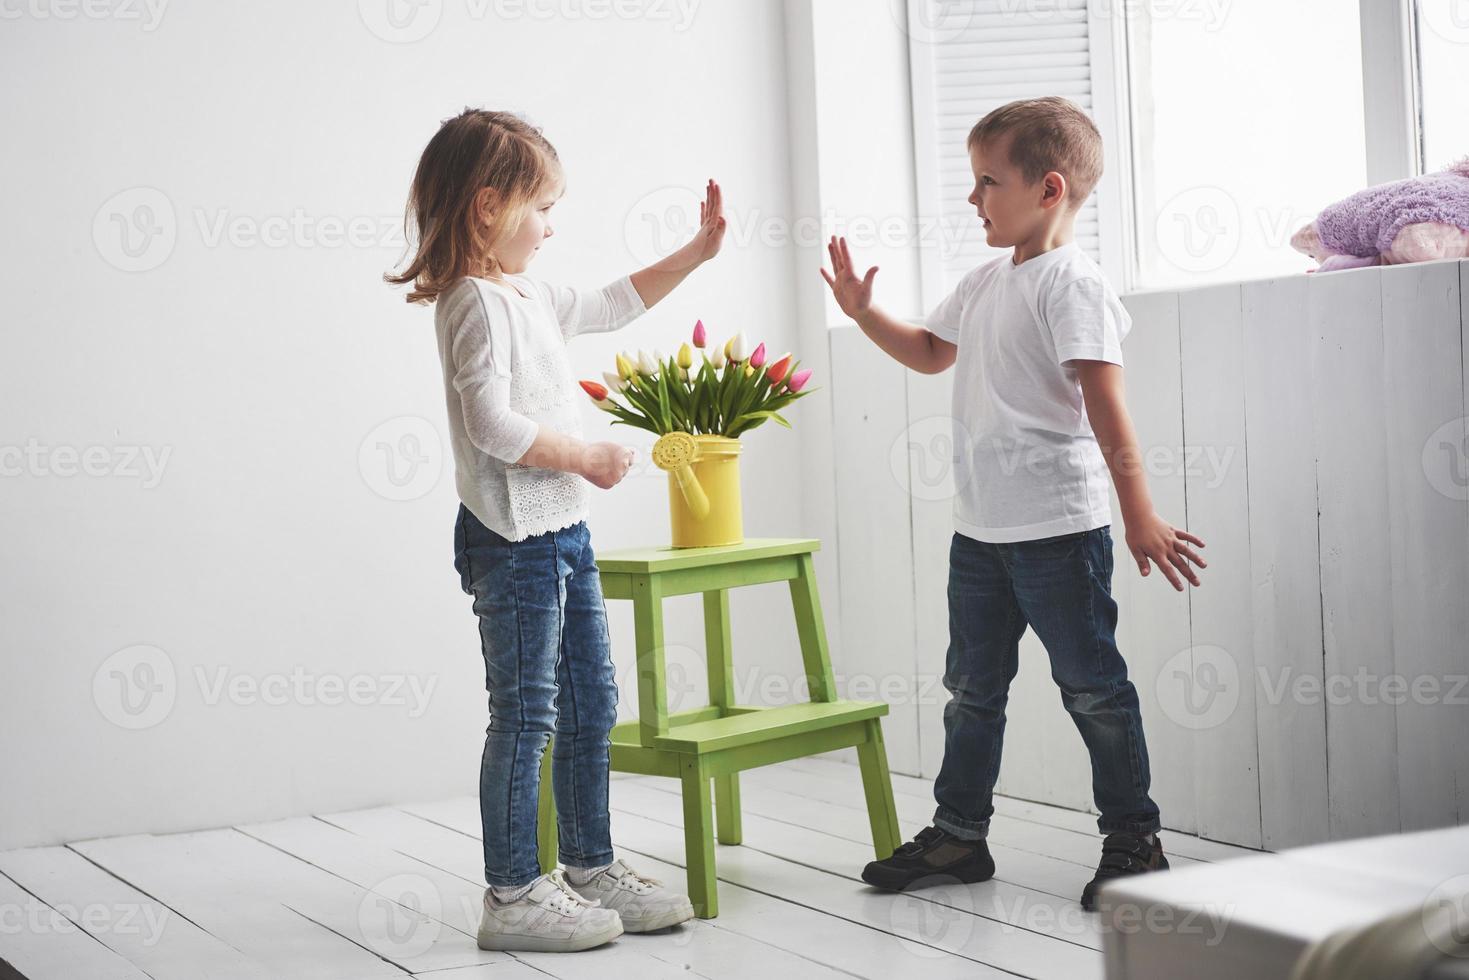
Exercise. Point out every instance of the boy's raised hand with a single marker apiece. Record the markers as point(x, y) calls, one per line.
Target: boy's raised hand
point(1155, 540)
point(853, 295)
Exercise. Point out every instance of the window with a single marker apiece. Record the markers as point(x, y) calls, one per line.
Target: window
point(1443, 80)
point(967, 57)
point(1247, 119)
point(1228, 125)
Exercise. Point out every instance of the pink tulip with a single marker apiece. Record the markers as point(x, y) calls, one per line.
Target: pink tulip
point(799, 379)
point(757, 359)
point(700, 337)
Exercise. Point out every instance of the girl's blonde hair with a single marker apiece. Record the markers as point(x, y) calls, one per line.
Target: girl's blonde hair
point(475, 150)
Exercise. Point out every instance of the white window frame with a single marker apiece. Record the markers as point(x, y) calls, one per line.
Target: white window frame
point(1392, 123)
point(1390, 90)
point(1107, 49)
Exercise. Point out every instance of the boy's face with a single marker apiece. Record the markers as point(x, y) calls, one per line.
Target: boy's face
point(1012, 209)
point(515, 250)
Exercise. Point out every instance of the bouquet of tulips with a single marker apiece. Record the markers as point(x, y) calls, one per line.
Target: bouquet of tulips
point(730, 392)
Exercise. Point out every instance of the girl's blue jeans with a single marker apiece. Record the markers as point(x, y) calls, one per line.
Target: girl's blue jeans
point(548, 670)
point(1061, 587)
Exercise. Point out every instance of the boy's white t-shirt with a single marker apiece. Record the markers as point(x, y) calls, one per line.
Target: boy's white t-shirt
point(1026, 463)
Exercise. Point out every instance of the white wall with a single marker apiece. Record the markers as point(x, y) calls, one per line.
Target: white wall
point(266, 546)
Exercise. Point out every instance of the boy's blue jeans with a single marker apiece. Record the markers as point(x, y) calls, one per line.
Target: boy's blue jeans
point(1061, 587)
point(548, 669)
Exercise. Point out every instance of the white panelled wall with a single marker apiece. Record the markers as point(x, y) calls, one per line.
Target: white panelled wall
point(1311, 430)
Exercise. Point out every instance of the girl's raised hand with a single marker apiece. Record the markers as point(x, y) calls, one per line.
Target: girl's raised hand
point(853, 295)
point(711, 224)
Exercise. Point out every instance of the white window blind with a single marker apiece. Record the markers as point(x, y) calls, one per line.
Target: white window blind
point(970, 56)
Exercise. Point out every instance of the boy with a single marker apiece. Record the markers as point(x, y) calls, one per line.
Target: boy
point(1040, 418)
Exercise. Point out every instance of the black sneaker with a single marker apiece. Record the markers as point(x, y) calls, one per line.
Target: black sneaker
point(934, 857)
point(1124, 854)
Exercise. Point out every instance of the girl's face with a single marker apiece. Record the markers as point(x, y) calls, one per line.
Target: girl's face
point(515, 250)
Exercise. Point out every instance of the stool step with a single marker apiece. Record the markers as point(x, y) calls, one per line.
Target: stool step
point(764, 724)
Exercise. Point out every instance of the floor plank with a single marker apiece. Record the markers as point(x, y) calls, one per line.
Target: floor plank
point(48, 944)
point(394, 892)
point(209, 878)
point(143, 931)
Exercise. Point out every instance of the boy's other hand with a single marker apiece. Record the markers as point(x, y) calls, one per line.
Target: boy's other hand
point(853, 295)
point(1155, 540)
point(604, 464)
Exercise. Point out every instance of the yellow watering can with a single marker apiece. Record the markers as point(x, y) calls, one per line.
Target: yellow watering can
point(703, 488)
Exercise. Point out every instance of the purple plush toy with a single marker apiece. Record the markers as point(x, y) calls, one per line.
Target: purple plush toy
point(1415, 220)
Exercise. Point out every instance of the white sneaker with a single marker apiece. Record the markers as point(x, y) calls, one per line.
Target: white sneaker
point(550, 918)
point(643, 902)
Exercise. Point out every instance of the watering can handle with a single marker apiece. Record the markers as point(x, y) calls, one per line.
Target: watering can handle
point(675, 452)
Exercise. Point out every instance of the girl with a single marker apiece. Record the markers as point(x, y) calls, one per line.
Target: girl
point(481, 200)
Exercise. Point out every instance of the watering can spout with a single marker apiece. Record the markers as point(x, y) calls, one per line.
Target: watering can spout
point(676, 452)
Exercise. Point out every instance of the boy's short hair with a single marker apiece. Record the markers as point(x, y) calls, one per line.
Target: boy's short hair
point(1047, 134)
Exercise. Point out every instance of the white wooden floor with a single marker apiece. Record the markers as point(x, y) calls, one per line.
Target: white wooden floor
point(396, 891)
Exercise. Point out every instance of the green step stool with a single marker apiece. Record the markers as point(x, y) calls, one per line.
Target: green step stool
point(718, 741)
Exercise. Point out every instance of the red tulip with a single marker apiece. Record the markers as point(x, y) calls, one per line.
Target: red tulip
point(799, 379)
point(778, 370)
point(757, 359)
point(598, 392)
point(700, 337)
